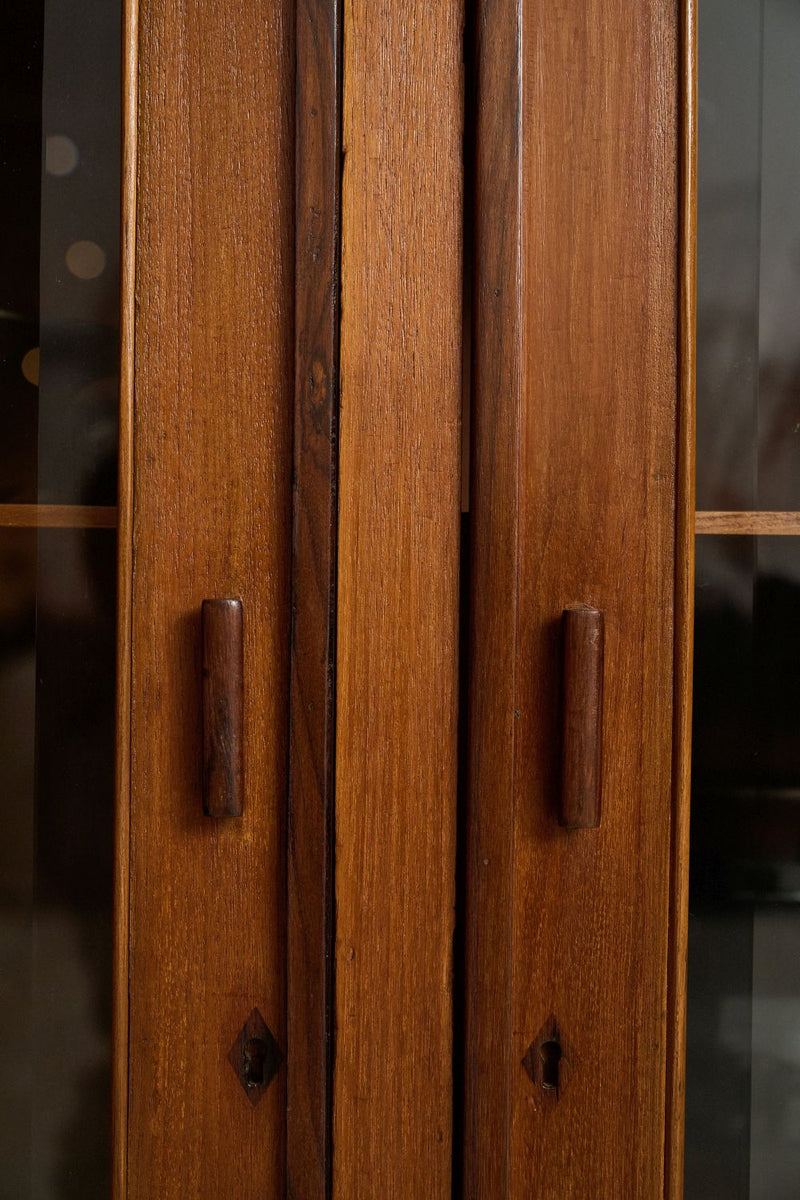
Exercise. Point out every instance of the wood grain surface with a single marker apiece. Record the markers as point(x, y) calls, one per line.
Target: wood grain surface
point(212, 517)
point(748, 524)
point(397, 646)
point(312, 715)
point(569, 929)
point(57, 516)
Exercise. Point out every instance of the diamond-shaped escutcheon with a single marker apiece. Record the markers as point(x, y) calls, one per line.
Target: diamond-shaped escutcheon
point(255, 1057)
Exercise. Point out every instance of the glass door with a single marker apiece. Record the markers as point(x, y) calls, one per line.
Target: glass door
point(743, 1052)
point(59, 306)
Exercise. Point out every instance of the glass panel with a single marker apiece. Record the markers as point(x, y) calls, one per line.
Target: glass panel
point(59, 253)
point(743, 1061)
point(59, 280)
point(724, 804)
point(748, 370)
point(79, 276)
point(743, 1054)
point(729, 156)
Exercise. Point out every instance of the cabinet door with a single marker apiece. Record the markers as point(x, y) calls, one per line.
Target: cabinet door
point(578, 491)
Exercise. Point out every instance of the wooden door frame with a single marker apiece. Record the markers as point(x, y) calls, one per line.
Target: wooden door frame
point(495, 534)
point(309, 702)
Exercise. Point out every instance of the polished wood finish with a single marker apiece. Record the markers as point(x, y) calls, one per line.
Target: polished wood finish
point(684, 612)
point(583, 633)
point(57, 516)
point(312, 713)
point(566, 927)
point(121, 963)
point(397, 646)
point(211, 517)
point(223, 708)
point(749, 524)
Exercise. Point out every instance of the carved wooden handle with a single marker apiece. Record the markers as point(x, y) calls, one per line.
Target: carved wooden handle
point(582, 752)
point(223, 708)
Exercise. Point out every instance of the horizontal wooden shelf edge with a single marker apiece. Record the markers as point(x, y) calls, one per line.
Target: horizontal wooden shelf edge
point(748, 523)
point(57, 516)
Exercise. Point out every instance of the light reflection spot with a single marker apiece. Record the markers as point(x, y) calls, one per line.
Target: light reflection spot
point(60, 155)
point(86, 260)
point(30, 366)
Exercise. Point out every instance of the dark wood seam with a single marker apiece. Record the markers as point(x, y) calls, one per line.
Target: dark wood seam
point(310, 854)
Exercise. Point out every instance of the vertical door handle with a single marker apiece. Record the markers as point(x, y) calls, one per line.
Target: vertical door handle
point(582, 747)
point(223, 708)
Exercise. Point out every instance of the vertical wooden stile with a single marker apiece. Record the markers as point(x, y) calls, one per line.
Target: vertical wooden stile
point(211, 515)
point(397, 644)
point(575, 456)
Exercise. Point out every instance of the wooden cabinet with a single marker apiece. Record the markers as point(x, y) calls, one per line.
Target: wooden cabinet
point(406, 365)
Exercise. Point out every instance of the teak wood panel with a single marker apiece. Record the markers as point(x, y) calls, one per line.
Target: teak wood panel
point(397, 645)
point(211, 518)
point(312, 712)
point(577, 335)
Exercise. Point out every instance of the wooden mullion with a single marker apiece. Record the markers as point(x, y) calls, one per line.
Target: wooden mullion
point(397, 589)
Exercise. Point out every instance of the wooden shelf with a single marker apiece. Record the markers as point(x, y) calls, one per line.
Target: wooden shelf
point(748, 523)
point(57, 516)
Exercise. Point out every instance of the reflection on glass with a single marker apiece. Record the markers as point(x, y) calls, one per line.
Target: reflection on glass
point(59, 272)
point(59, 250)
point(743, 1054)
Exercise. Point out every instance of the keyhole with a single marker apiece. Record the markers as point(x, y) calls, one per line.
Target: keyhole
point(255, 1052)
point(550, 1054)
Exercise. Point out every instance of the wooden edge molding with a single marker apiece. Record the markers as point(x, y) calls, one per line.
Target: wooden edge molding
point(57, 516)
point(120, 1027)
point(312, 718)
point(748, 524)
point(496, 385)
point(684, 611)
